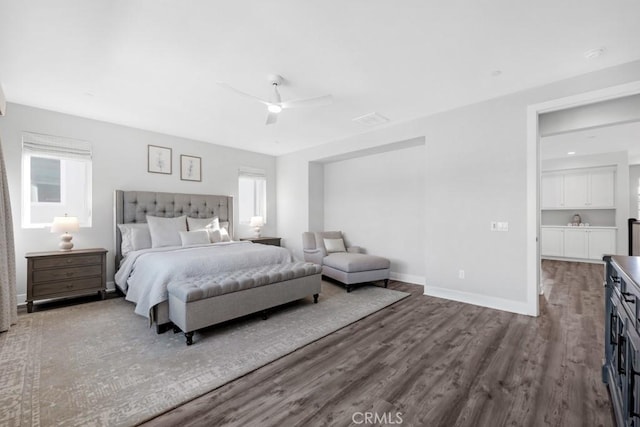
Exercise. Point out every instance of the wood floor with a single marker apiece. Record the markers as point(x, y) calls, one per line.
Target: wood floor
point(431, 362)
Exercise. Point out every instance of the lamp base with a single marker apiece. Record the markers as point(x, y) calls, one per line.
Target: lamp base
point(65, 242)
point(257, 231)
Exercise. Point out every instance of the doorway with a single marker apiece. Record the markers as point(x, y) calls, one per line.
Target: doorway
point(534, 171)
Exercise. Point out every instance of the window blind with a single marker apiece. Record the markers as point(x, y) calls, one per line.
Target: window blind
point(55, 146)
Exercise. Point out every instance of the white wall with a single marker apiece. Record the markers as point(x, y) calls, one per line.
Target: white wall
point(475, 172)
point(120, 162)
point(377, 201)
point(620, 161)
point(634, 179)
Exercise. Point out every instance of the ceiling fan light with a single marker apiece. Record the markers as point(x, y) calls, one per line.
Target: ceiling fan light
point(274, 108)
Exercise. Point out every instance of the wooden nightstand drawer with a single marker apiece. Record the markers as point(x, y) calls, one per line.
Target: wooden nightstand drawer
point(53, 289)
point(59, 274)
point(66, 273)
point(66, 261)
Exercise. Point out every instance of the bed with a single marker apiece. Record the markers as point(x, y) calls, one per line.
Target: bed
point(143, 274)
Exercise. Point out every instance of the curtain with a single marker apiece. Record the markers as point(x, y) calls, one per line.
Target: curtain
point(8, 302)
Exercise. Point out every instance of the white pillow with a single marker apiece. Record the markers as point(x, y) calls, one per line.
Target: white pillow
point(197, 237)
point(219, 235)
point(224, 234)
point(202, 223)
point(214, 235)
point(166, 231)
point(134, 237)
point(334, 245)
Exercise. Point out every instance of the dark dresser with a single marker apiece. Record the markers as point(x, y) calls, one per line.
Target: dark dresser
point(621, 370)
point(274, 241)
point(60, 274)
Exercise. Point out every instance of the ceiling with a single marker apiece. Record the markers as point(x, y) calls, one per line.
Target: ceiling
point(154, 64)
point(606, 139)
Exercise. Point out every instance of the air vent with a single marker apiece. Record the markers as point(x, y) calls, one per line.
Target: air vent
point(371, 119)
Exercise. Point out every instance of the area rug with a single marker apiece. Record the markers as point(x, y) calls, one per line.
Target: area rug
point(99, 364)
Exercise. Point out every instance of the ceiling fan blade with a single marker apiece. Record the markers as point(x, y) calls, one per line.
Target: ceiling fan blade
point(317, 101)
point(239, 92)
point(271, 118)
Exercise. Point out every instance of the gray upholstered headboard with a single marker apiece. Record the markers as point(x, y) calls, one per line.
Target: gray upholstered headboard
point(134, 206)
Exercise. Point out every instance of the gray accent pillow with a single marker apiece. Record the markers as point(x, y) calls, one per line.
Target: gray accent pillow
point(334, 245)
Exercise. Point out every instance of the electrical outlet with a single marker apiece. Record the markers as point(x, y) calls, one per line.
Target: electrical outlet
point(461, 274)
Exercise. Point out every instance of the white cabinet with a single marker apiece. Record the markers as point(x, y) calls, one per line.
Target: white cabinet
point(602, 188)
point(578, 189)
point(577, 242)
point(551, 191)
point(601, 242)
point(552, 241)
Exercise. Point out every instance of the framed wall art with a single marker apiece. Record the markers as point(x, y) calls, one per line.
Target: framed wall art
point(159, 159)
point(190, 168)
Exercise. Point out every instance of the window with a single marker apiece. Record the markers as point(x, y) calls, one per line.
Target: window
point(252, 195)
point(56, 179)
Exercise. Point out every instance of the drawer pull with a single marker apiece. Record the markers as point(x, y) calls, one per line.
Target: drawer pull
point(614, 279)
point(632, 300)
point(632, 395)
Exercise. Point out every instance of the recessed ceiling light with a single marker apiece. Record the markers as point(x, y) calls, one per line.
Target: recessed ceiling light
point(496, 73)
point(571, 153)
point(594, 53)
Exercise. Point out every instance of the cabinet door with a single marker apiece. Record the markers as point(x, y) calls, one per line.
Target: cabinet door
point(601, 242)
point(602, 189)
point(631, 406)
point(551, 241)
point(575, 243)
point(551, 191)
point(576, 186)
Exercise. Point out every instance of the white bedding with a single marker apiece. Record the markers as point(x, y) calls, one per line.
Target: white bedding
point(144, 274)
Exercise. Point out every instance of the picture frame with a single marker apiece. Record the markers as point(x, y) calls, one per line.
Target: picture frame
point(159, 159)
point(190, 168)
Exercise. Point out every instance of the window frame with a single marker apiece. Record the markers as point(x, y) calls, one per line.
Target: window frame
point(259, 206)
point(64, 150)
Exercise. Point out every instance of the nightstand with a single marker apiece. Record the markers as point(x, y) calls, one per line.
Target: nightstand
point(61, 274)
point(274, 241)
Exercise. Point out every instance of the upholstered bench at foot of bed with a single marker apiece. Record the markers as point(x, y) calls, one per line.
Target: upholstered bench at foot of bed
point(202, 301)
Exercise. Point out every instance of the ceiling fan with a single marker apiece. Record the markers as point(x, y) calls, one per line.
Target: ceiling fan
point(275, 104)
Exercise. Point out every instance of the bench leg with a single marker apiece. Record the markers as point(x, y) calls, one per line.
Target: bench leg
point(265, 314)
point(315, 298)
point(386, 282)
point(189, 337)
point(348, 288)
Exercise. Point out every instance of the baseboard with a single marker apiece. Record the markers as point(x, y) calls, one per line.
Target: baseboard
point(517, 307)
point(408, 278)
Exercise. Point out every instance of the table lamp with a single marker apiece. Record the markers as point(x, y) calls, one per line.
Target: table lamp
point(65, 225)
point(256, 222)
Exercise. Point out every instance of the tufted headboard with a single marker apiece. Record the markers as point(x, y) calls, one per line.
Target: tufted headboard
point(134, 206)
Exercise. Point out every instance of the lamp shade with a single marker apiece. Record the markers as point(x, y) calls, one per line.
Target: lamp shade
point(256, 221)
point(65, 224)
